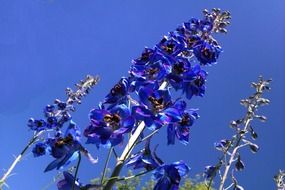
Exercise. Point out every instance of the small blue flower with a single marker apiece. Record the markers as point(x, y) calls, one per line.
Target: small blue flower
point(108, 126)
point(37, 124)
point(169, 176)
point(207, 53)
point(118, 94)
point(39, 149)
point(65, 149)
point(180, 68)
point(145, 159)
point(170, 45)
point(68, 182)
point(194, 82)
point(153, 102)
point(180, 120)
point(152, 67)
point(222, 145)
point(154, 99)
point(210, 171)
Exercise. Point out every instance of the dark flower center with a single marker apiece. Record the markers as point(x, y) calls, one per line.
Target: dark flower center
point(178, 68)
point(113, 120)
point(185, 120)
point(117, 89)
point(157, 104)
point(199, 81)
point(191, 41)
point(64, 141)
point(152, 71)
point(40, 149)
point(145, 56)
point(169, 48)
point(207, 53)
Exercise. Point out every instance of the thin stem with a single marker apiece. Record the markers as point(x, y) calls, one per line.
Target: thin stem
point(76, 170)
point(148, 136)
point(248, 119)
point(106, 164)
point(129, 177)
point(19, 157)
point(115, 153)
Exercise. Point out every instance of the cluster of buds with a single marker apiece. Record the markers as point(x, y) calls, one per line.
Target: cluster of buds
point(279, 180)
point(220, 19)
point(244, 134)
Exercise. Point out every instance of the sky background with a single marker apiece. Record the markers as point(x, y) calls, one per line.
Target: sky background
point(48, 45)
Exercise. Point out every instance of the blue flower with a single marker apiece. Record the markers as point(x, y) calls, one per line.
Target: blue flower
point(151, 67)
point(169, 176)
point(207, 53)
point(194, 82)
point(68, 182)
point(145, 159)
point(180, 120)
point(171, 45)
point(37, 124)
point(65, 149)
point(118, 94)
point(153, 102)
point(108, 126)
point(39, 149)
point(180, 68)
point(210, 171)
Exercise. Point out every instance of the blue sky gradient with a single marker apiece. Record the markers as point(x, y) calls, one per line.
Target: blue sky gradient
point(48, 45)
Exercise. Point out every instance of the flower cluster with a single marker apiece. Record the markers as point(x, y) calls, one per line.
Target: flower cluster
point(243, 137)
point(144, 97)
point(175, 62)
point(63, 147)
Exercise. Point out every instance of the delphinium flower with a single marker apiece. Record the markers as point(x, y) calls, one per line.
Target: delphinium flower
point(70, 183)
point(243, 137)
point(108, 126)
point(145, 159)
point(175, 62)
point(168, 176)
point(62, 148)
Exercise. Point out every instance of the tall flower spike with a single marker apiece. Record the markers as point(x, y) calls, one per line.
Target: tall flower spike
point(244, 134)
point(175, 62)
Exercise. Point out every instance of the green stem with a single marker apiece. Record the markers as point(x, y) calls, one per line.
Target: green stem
point(106, 164)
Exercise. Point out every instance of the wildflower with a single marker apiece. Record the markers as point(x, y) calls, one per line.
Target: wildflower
point(153, 102)
point(180, 120)
point(39, 149)
point(170, 46)
point(194, 82)
point(145, 159)
point(207, 53)
point(210, 171)
point(68, 182)
point(108, 126)
point(118, 94)
point(169, 176)
point(64, 148)
point(151, 67)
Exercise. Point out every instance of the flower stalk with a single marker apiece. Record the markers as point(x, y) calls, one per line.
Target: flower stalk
point(19, 158)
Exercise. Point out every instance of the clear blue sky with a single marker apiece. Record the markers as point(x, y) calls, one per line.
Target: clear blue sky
point(47, 45)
